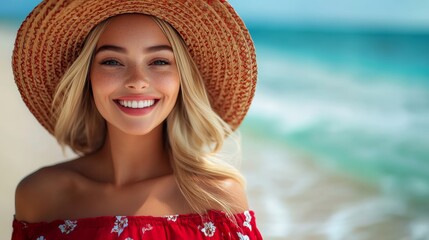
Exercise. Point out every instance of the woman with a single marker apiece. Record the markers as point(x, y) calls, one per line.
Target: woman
point(146, 93)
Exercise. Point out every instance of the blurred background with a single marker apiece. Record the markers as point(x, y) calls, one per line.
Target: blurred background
point(336, 143)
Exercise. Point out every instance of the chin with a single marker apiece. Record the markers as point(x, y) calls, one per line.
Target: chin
point(137, 129)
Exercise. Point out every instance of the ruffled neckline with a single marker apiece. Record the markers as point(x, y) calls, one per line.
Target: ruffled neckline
point(212, 215)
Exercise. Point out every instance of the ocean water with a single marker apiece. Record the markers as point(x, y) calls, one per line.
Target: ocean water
point(357, 102)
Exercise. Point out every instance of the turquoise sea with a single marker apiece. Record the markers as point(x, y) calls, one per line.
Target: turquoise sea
point(355, 101)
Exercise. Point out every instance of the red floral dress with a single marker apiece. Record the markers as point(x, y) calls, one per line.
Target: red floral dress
point(213, 225)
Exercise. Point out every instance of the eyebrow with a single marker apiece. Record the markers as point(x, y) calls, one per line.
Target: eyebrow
point(115, 48)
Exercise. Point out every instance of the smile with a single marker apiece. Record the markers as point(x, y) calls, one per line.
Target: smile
point(136, 103)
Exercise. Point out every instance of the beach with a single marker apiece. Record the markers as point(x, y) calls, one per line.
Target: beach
point(294, 196)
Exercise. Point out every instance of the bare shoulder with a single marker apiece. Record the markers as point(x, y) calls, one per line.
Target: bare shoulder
point(40, 194)
point(237, 193)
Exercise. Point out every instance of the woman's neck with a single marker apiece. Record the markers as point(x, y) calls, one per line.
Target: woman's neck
point(130, 159)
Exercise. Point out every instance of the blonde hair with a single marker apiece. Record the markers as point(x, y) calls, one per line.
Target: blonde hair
point(194, 132)
point(79, 124)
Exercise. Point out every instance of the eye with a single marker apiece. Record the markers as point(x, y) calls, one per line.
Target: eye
point(160, 62)
point(111, 62)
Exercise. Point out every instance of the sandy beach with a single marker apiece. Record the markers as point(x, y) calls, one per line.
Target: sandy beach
point(293, 198)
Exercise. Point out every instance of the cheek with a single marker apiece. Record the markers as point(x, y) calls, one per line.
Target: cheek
point(174, 89)
point(97, 89)
point(101, 85)
point(101, 89)
point(171, 86)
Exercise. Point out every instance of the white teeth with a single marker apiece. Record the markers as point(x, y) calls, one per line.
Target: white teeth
point(137, 104)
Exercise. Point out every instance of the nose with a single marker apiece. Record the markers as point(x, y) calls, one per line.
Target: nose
point(137, 79)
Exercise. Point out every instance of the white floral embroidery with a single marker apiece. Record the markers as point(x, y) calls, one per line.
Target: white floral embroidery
point(25, 225)
point(242, 237)
point(248, 219)
point(209, 229)
point(41, 238)
point(120, 224)
point(129, 238)
point(68, 226)
point(172, 218)
point(147, 228)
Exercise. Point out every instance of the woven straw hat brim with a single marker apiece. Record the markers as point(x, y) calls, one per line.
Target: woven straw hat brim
point(51, 37)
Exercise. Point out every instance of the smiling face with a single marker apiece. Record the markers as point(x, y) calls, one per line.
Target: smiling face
point(134, 77)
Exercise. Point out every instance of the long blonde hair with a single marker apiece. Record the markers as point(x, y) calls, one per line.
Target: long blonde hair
point(79, 125)
point(194, 132)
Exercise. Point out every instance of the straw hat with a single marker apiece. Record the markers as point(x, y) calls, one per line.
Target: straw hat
point(51, 37)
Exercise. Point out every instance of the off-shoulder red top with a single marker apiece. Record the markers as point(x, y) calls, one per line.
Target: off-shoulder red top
point(213, 225)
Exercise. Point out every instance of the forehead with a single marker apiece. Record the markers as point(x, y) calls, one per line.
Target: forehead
point(132, 29)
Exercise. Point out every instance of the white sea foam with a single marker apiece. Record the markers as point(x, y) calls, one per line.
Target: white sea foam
point(346, 222)
point(420, 229)
point(280, 219)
